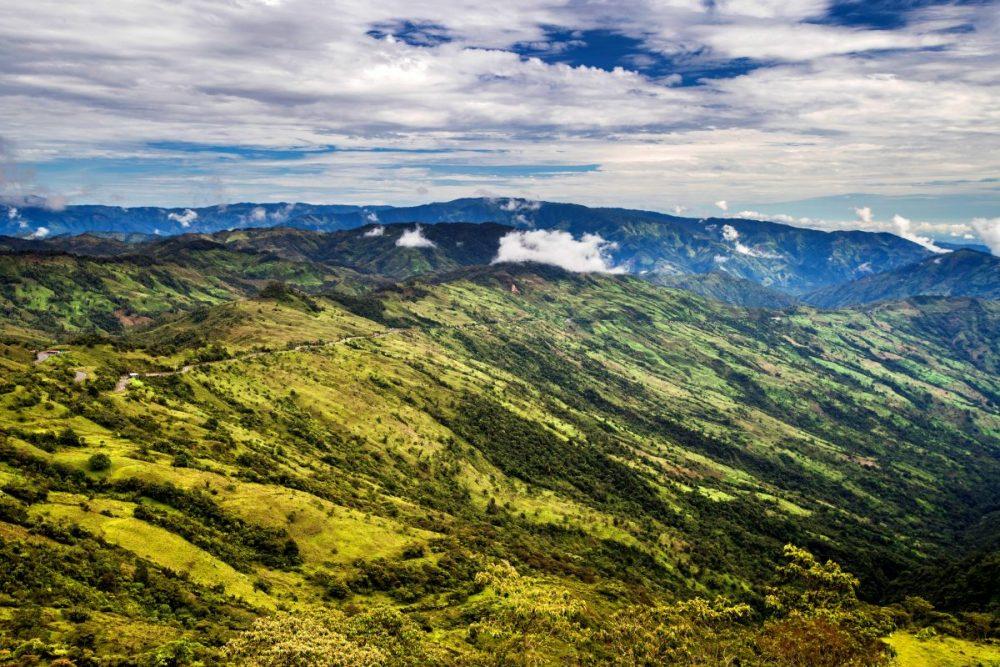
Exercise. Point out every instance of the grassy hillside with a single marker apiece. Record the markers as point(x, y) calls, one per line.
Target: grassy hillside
point(62, 293)
point(409, 471)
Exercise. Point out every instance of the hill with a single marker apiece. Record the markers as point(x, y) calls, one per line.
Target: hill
point(959, 273)
point(412, 467)
point(63, 293)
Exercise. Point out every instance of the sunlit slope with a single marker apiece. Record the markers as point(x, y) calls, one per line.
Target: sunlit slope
point(628, 441)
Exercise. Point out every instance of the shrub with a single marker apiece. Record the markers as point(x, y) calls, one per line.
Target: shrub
point(99, 462)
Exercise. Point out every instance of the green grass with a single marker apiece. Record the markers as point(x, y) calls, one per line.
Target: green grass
point(113, 521)
point(942, 652)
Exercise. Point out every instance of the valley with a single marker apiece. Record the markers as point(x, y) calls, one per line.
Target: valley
point(328, 437)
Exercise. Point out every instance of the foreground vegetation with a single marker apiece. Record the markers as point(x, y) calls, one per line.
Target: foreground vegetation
point(503, 465)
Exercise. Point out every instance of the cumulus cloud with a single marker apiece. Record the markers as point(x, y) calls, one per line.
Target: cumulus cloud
point(729, 233)
point(414, 238)
point(184, 219)
point(39, 233)
point(722, 204)
point(377, 230)
point(258, 214)
point(589, 254)
point(904, 227)
point(371, 216)
point(864, 214)
point(988, 230)
point(827, 107)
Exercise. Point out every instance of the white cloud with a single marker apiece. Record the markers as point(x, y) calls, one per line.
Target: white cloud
point(184, 219)
point(590, 254)
point(378, 230)
point(917, 232)
point(731, 234)
point(12, 213)
point(677, 209)
point(282, 214)
point(39, 233)
point(278, 74)
point(904, 227)
point(414, 238)
point(514, 204)
point(754, 252)
point(371, 216)
point(258, 214)
point(722, 204)
point(988, 230)
point(806, 41)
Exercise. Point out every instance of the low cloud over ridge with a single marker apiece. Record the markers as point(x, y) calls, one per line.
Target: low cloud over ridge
point(414, 238)
point(590, 254)
point(184, 219)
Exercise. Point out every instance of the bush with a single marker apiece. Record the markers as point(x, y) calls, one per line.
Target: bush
point(99, 462)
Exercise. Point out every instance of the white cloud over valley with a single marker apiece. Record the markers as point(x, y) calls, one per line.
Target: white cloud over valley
point(183, 219)
point(589, 254)
point(414, 238)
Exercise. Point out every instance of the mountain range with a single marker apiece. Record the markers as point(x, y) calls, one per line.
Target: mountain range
point(791, 259)
point(378, 445)
point(963, 272)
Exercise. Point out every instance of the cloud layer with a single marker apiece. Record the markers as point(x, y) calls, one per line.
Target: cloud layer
point(589, 254)
point(196, 102)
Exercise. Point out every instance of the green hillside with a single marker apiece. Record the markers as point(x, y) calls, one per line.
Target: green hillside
point(496, 465)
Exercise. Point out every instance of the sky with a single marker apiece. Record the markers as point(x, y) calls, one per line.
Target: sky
point(823, 113)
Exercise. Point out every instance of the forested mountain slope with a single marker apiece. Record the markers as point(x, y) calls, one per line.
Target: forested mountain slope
point(385, 458)
point(958, 273)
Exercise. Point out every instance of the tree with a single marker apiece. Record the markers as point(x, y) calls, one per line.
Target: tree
point(99, 462)
point(327, 638)
point(524, 616)
point(691, 632)
point(304, 639)
point(817, 619)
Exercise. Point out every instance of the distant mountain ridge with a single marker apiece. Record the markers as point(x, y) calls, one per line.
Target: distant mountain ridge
point(962, 273)
point(791, 259)
point(729, 289)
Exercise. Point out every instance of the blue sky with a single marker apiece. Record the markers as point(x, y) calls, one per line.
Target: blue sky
point(805, 111)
